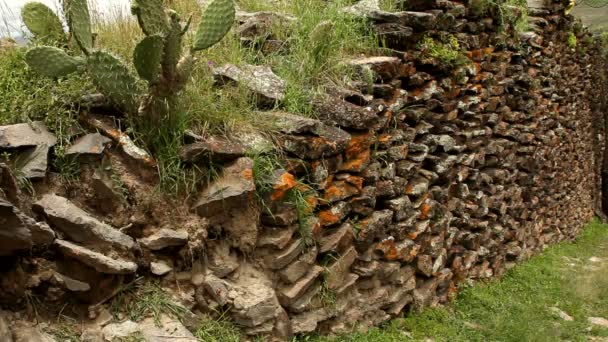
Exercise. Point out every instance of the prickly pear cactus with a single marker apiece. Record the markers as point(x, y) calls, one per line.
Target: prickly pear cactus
point(51, 61)
point(114, 79)
point(157, 58)
point(147, 57)
point(79, 21)
point(42, 22)
point(216, 21)
point(150, 15)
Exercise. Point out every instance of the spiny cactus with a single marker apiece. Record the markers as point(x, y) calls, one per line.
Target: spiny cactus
point(79, 22)
point(52, 62)
point(42, 22)
point(158, 58)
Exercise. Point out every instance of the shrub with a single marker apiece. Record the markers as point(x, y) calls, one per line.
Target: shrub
point(446, 50)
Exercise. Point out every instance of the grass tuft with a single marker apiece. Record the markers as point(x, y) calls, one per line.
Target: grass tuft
point(218, 330)
point(140, 300)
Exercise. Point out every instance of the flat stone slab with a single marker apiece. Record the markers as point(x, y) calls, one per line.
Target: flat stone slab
point(79, 225)
point(26, 135)
point(169, 330)
point(19, 231)
point(165, 238)
point(234, 188)
point(98, 261)
point(218, 149)
point(93, 144)
point(308, 138)
point(35, 162)
point(259, 79)
point(160, 268)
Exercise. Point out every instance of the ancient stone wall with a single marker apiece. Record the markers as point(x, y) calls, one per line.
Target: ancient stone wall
point(423, 175)
point(428, 175)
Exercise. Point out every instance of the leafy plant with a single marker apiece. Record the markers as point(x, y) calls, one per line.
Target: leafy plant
point(571, 40)
point(445, 50)
point(158, 58)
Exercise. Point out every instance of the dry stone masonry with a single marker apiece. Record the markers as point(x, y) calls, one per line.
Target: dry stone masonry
point(421, 176)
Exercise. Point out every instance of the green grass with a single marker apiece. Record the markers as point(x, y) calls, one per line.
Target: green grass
point(218, 330)
point(140, 300)
point(516, 308)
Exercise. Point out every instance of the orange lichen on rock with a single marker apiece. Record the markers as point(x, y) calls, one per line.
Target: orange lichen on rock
point(356, 181)
point(286, 182)
point(425, 209)
point(247, 174)
point(328, 218)
point(358, 152)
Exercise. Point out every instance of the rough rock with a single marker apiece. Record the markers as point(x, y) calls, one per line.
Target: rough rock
point(90, 144)
point(309, 138)
point(561, 314)
point(126, 143)
point(73, 284)
point(160, 268)
point(26, 135)
point(231, 190)
point(5, 331)
point(288, 294)
point(9, 188)
point(19, 231)
point(114, 331)
point(276, 237)
point(221, 260)
point(165, 238)
point(169, 330)
point(338, 239)
point(23, 332)
point(339, 270)
point(215, 148)
point(332, 110)
point(255, 304)
point(258, 79)
point(14, 234)
point(307, 322)
point(282, 258)
point(78, 225)
point(98, 261)
point(598, 321)
point(34, 162)
point(386, 68)
point(260, 24)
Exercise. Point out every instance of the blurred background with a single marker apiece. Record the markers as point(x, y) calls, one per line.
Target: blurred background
point(10, 24)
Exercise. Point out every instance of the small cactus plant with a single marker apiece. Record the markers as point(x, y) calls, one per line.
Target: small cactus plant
point(158, 58)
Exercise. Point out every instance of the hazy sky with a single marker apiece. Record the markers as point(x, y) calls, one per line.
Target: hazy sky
point(9, 11)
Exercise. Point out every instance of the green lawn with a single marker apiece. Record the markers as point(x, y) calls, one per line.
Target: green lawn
point(517, 307)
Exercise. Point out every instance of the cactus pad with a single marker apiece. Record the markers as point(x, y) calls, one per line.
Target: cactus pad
point(147, 57)
point(216, 21)
point(79, 21)
point(150, 16)
point(51, 61)
point(42, 22)
point(173, 46)
point(113, 78)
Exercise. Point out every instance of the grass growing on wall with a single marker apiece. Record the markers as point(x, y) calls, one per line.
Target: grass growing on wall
point(321, 39)
point(517, 308)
